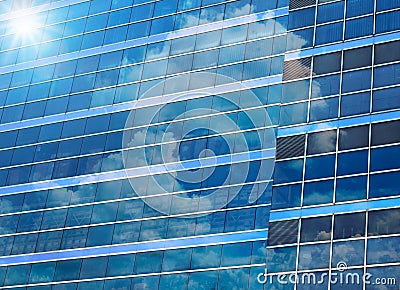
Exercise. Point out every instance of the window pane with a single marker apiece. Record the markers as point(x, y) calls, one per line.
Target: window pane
point(319, 167)
point(354, 137)
point(349, 226)
point(352, 188)
point(318, 192)
point(384, 222)
point(316, 229)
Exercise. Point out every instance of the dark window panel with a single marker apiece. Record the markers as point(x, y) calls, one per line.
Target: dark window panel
point(322, 142)
point(355, 104)
point(385, 133)
point(359, 57)
point(353, 137)
point(316, 229)
point(292, 146)
point(327, 63)
point(294, 4)
point(384, 222)
point(283, 232)
point(349, 226)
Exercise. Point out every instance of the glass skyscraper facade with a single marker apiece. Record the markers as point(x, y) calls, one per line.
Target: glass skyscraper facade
point(199, 144)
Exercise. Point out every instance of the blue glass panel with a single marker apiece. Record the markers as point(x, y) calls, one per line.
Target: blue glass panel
point(288, 171)
point(388, 21)
point(319, 167)
point(359, 27)
point(359, 7)
point(384, 184)
point(386, 5)
point(330, 12)
point(387, 75)
point(318, 192)
point(286, 196)
point(383, 250)
point(355, 104)
point(325, 86)
point(293, 114)
point(42, 272)
point(295, 91)
point(120, 265)
point(300, 39)
point(281, 259)
point(324, 109)
point(329, 33)
point(352, 162)
point(314, 256)
point(384, 158)
point(356, 80)
point(350, 252)
point(301, 18)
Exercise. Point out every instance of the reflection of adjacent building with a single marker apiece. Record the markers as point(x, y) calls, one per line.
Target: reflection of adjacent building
point(112, 178)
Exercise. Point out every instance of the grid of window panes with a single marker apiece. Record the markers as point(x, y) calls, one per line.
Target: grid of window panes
point(54, 78)
point(365, 242)
point(337, 164)
point(312, 23)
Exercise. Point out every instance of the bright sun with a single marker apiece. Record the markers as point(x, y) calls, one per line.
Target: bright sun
point(24, 25)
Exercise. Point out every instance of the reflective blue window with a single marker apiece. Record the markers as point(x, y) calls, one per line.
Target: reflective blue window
point(301, 18)
point(325, 86)
point(350, 252)
point(386, 5)
point(351, 188)
point(330, 12)
point(288, 171)
point(384, 184)
point(324, 109)
point(293, 114)
point(329, 33)
point(300, 39)
point(383, 250)
point(388, 21)
point(319, 167)
point(360, 7)
point(295, 91)
point(387, 75)
point(93, 268)
point(384, 158)
point(355, 104)
point(352, 162)
point(318, 192)
point(314, 256)
point(286, 196)
point(356, 80)
point(281, 259)
point(359, 27)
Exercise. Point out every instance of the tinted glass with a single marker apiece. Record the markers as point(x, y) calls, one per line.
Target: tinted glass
point(354, 137)
point(316, 229)
point(359, 57)
point(327, 63)
point(349, 226)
